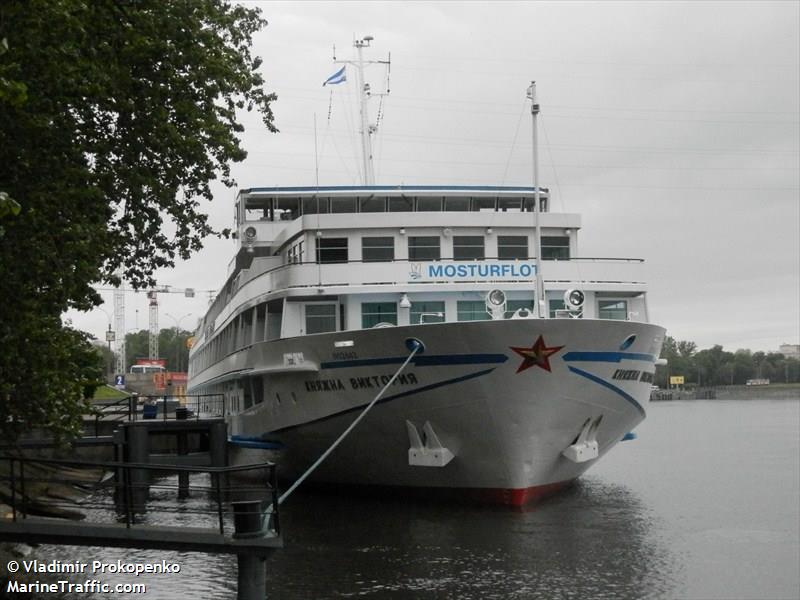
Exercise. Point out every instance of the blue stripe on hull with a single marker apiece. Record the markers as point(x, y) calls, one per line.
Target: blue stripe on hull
point(610, 386)
point(419, 361)
point(613, 357)
point(424, 388)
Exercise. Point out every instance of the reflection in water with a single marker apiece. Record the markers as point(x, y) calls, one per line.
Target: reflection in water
point(709, 508)
point(592, 541)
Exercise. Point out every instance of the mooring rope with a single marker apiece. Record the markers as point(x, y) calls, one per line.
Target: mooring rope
point(415, 345)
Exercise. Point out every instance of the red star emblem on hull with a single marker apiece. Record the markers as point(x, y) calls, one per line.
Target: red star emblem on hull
point(537, 355)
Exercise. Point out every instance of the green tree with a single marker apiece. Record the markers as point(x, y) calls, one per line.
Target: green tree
point(679, 356)
point(136, 346)
point(742, 366)
point(107, 356)
point(115, 116)
point(171, 347)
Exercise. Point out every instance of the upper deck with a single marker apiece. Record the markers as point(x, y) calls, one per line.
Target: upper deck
point(287, 203)
point(265, 216)
point(437, 246)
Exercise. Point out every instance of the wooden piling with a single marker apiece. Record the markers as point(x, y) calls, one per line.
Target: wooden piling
point(248, 522)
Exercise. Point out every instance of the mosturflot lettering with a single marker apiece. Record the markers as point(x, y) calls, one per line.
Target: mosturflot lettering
point(482, 270)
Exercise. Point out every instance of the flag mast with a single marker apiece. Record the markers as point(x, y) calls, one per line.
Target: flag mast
point(363, 87)
point(540, 295)
point(365, 93)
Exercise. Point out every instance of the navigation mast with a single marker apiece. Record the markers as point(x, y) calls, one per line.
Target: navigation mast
point(365, 93)
point(540, 301)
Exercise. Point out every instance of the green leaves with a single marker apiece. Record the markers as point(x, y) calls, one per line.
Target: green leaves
point(114, 118)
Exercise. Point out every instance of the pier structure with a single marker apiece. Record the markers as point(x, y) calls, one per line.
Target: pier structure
point(236, 509)
point(177, 446)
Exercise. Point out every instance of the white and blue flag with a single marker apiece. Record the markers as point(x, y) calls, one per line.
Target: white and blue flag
point(338, 77)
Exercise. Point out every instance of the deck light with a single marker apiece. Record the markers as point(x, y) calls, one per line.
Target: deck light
point(496, 304)
point(404, 301)
point(574, 299)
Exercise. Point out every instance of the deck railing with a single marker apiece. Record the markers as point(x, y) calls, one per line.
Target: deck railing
point(118, 492)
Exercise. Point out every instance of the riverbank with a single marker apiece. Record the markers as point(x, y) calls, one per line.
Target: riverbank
point(775, 391)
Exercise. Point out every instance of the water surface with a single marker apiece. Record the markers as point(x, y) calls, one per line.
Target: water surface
point(704, 504)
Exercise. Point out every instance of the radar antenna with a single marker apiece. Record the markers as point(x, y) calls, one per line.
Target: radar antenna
point(365, 94)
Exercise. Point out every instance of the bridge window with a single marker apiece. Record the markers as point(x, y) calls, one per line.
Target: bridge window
point(274, 319)
point(372, 204)
point(468, 247)
point(509, 204)
point(456, 204)
point(295, 253)
point(401, 204)
point(472, 310)
point(613, 309)
point(373, 313)
point(528, 204)
point(513, 306)
point(320, 318)
point(261, 322)
point(427, 312)
point(331, 250)
point(343, 205)
point(554, 305)
point(258, 389)
point(512, 247)
point(483, 204)
point(555, 248)
point(429, 204)
point(377, 249)
point(424, 248)
point(288, 209)
point(312, 206)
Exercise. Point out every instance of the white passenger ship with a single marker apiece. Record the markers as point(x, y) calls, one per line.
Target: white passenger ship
point(530, 361)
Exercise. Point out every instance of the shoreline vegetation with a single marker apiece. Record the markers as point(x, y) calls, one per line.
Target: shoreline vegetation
point(774, 391)
point(716, 367)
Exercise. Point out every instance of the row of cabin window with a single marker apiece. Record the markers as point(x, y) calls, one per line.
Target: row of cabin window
point(254, 325)
point(425, 248)
point(321, 318)
point(290, 208)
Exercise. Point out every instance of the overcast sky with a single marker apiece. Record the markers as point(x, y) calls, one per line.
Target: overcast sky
point(672, 127)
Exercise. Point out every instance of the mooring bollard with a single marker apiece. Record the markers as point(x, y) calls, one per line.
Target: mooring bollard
point(218, 449)
point(181, 414)
point(138, 446)
point(249, 522)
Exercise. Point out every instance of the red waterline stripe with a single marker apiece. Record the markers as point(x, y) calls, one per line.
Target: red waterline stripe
point(518, 496)
point(515, 497)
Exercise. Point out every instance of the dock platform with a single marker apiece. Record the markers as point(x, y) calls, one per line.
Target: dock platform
point(43, 530)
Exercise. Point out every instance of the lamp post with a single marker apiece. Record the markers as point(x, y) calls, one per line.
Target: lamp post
point(110, 337)
point(177, 329)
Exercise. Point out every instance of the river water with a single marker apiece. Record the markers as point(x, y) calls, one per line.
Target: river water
point(704, 504)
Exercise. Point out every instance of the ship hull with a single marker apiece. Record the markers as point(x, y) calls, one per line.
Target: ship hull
point(505, 398)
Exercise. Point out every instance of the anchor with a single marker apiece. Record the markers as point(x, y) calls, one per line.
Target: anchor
point(429, 453)
point(585, 447)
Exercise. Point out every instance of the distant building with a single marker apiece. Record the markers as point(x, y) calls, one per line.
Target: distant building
point(790, 350)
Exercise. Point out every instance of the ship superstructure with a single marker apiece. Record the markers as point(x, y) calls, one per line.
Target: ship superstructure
point(529, 360)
